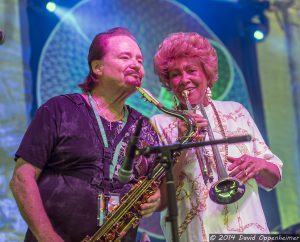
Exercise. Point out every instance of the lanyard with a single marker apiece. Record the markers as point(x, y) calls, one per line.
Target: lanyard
point(116, 154)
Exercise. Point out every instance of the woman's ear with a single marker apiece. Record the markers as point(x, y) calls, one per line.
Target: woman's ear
point(97, 67)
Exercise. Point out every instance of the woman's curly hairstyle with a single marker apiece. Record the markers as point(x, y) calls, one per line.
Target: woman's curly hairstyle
point(181, 44)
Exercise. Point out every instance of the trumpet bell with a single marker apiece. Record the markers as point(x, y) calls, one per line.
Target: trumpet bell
point(227, 190)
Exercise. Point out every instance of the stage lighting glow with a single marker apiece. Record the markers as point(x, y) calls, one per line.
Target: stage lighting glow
point(257, 28)
point(51, 6)
point(259, 35)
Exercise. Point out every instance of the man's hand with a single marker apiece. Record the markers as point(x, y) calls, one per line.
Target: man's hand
point(151, 205)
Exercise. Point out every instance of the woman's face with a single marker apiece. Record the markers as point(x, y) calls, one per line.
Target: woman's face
point(186, 73)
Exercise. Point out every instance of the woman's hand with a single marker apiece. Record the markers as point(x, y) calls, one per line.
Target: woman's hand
point(247, 167)
point(151, 205)
point(201, 124)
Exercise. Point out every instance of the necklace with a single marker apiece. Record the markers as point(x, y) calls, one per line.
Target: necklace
point(222, 130)
point(121, 117)
point(117, 150)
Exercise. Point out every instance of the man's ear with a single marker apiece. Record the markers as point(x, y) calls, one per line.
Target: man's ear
point(97, 67)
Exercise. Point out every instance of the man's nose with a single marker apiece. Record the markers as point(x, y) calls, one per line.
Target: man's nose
point(135, 64)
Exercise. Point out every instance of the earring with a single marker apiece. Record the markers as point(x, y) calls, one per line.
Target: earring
point(208, 94)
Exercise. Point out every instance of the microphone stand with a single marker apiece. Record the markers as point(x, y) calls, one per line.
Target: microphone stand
point(166, 159)
point(181, 146)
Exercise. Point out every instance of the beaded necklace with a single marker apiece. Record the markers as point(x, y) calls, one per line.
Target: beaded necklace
point(222, 131)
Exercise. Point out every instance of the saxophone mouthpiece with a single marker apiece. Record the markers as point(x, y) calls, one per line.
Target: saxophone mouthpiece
point(148, 96)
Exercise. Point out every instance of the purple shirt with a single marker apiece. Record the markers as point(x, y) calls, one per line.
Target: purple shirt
point(65, 142)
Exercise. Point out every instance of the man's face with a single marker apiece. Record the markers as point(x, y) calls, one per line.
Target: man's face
point(122, 63)
point(186, 73)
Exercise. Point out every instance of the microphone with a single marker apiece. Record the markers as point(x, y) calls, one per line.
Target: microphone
point(125, 171)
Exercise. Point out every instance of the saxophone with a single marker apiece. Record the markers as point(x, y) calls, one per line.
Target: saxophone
point(127, 214)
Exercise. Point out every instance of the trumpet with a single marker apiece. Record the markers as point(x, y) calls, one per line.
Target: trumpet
point(227, 189)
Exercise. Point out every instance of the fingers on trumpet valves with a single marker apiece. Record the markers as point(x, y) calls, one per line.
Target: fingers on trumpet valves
point(200, 133)
point(199, 136)
point(203, 130)
point(200, 122)
point(202, 125)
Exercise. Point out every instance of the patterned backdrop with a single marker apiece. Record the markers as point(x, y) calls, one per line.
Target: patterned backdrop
point(63, 61)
